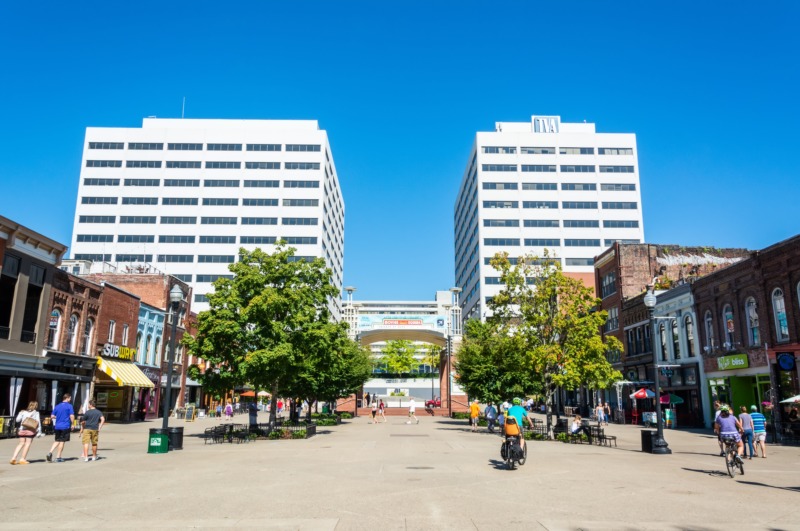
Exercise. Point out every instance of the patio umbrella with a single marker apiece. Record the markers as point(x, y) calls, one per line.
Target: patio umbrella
point(263, 393)
point(671, 399)
point(643, 393)
point(795, 398)
point(248, 393)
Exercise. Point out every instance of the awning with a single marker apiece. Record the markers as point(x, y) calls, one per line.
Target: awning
point(192, 383)
point(124, 373)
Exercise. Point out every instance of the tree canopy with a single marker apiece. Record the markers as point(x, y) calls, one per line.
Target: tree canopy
point(398, 355)
point(270, 326)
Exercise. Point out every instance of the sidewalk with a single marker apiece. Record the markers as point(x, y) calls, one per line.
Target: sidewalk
point(434, 475)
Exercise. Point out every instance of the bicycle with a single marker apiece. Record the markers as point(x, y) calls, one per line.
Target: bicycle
point(733, 462)
point(512, 452)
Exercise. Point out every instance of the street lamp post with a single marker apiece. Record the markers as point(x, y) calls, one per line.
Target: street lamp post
point(660, 445)
point(175, 298)
point(447, 360)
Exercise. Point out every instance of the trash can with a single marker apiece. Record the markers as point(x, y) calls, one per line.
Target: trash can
point(158, 441)
point(648, 440)
point(175, 436)
point(326, 409)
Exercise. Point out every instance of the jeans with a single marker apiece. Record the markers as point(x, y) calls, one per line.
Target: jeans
point(490, 424)
point(748, 439)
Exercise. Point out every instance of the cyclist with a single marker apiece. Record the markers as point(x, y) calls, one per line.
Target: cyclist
point(519, 413)
point(728, 425)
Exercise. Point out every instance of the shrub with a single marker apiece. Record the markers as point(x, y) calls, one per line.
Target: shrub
point(346, 415)
point(326, 422)
point(299, 434)
point(562, 437)
point(275, 434)
point(461, 415)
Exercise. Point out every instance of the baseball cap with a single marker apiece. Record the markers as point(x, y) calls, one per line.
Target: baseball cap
point(753, 408)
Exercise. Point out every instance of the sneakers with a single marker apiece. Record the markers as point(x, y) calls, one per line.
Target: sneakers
point(85, 459)
point(59, 460)
point(94, 458)
point(49, 457)
point(22, 462)
point(722, 454)
point(13, 462)
point(408, 422)
point(417, 421)
point(739, 459)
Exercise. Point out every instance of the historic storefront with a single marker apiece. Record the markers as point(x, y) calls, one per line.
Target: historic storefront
point(118, 383)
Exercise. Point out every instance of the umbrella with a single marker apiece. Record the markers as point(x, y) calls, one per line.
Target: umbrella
point(795, 398)
point(643, 393)
point(671, 399)
point(248, 393)
point(263, 393)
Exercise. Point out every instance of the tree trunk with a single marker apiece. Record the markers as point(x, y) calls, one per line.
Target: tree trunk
point(273, 404)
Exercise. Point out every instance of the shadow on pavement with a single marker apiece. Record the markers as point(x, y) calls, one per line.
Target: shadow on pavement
point(757, 484)
point(713, 473)
point(498, 464)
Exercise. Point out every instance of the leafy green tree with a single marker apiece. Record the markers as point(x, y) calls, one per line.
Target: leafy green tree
point(555, 318)
point(492, 366)
point(269, 325)
point(398, 354)
point(432, 356)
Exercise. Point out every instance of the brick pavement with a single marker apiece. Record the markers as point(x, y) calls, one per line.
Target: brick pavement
point(435, 475)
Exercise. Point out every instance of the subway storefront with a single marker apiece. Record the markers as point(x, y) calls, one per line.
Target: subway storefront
point(118, 380)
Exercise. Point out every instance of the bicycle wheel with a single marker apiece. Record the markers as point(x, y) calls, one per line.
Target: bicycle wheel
point(730, 461)
point(510, 463)
point(524, 455)
point(739, 467)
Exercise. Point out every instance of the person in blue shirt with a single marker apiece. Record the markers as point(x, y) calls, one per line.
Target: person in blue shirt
point(519, 413)
point(63, 416)
point(759, 430)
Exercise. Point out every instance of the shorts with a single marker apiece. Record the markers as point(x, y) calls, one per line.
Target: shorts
point(90, 437)
point(411, 413)
point(760, 436)
point(62, 435)
point(473, 421)
point(26, 434)
point(374, 412)
point(735, 436)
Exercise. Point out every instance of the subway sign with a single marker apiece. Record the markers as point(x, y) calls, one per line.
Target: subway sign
point(736, 361)
point(116, 351)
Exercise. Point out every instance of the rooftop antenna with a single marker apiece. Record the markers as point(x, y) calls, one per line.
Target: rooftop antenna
point(183, 107)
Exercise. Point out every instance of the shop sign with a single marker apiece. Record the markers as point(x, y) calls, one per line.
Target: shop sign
point(786, 361)
point(736, 361)
point(152, 375)
point(117, 351)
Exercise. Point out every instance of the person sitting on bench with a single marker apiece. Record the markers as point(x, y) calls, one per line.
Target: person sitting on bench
point(578, 427)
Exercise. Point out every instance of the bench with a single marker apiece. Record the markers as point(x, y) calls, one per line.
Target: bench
point(608, 439)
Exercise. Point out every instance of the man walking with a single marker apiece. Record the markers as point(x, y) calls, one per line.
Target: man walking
point(63, 416)
point(491, 416)
point(93, 421)
point(412, 408)
point(474, 414)
point(759, 430)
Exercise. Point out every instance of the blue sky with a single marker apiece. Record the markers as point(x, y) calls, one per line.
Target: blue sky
point(710, 90)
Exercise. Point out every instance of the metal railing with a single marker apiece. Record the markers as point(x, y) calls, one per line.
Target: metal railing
point(28, 336)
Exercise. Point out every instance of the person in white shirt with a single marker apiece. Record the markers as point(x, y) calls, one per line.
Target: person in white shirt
point(412, 407)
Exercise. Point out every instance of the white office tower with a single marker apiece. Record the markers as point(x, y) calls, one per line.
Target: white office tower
point(182, 196)
point(542, 185)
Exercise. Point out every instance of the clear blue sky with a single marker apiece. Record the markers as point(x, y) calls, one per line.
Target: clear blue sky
point(711, 91)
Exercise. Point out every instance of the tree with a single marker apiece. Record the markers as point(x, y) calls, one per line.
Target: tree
point(270, 325)
point(432, 356)
point(493, 366)
point(399, 356)
point(556, 320)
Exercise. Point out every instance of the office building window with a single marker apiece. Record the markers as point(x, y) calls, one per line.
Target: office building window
point(98, 200)
point(492, 281)
point(501, 223)
point(616, 169)
point(579, 261)
point(134, 258)
point(106, 145)
point(260, 202)
point(498, 167)
point(302, 147)
point(610, 242)
point(179, 201)
point(95, 238)
point(501, 204)
point(581, 224)
point(500, 242)
point(538, 150)
point(135, 238)
point(615, 151)
point(188, 183)
point(542, 242)
point(221, 183)
point(262, 165)
point(139, 200)
point(138, 219)
point(539, 186)
point(92, 258)
point(263, 184)
point(215, 259)
point(185, 147)
point(500, 186)
point(103, 163)
point(97, 219)
point(580, 205)
point(300, 202)
point(217, 239)
point(301, 184)
point(210, 278)
point(622, 187)
point(101, 182)
point(143, 164)
point(183, 164)
point(218, 221)
point(223, 165)
point(582, 242)
point(620, 224)
point(300, 240)
point(574, 168)
point(539, 168)
point(223, 147)
point(260, 221)
point(540, 204)
point(507, 150)
point(298, 221)
point(257, 240)
point(301, 165)
point(183, 278)
point(539, 223)
point(221, 201)
point(179, 220)
point(145, 146)
point(576, 151)
point(620, 205)
point(167, 238)
point(263, 147)
point(142, 182)
point(175, 258)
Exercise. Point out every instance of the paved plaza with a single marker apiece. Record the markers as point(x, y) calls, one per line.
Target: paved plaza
point(395, 476)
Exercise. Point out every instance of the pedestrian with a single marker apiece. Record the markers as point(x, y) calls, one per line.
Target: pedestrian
point(279, 405)
point(412, 408)
point(606, 412)
point(599, 413)
point(717, 405)
point(228, 411)
point(219, 410)
point(63, 416)
point(491, 416)
point(474, 414)
point(252, 410)
point(759, 430)
point(29, 425)
point(91, 424)
point(369, 399)
point(374, 412)
point(381, 408)
point(747, 425)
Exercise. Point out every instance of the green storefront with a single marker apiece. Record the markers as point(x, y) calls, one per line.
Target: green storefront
point(736, 383)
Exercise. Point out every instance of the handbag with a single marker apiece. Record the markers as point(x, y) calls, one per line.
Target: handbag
point(30, 423)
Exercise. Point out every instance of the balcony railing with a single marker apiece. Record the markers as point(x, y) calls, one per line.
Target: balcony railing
point(28, 337)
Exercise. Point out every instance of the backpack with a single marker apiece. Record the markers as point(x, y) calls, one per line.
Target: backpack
point(511, 426)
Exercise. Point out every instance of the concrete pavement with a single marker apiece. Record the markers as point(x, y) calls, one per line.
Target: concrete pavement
point(435, 475)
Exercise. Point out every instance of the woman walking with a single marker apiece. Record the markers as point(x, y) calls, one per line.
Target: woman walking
point(28, 426)
point(381, 407)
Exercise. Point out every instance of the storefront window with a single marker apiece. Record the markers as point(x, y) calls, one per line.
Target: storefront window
point(690, 376)
point(676, 340)
point(779, 307)
point(752, 322)
point(689, 326)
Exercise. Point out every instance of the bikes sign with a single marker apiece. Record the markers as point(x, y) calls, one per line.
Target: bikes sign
point(736, 361)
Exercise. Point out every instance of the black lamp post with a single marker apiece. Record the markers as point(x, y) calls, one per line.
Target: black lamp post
point(660, 445)
point(175, 298)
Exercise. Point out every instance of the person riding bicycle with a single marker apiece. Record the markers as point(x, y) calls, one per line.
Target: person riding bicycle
point(518, 412)
point(728, 426)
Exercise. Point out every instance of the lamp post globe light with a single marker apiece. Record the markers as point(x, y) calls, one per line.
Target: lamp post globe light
point(175, 298)
point(660, 445)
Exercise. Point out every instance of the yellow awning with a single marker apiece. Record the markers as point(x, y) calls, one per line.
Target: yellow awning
point(124, 373)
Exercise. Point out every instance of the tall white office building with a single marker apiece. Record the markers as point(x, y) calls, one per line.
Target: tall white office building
point(182, 196)
point(543, 184)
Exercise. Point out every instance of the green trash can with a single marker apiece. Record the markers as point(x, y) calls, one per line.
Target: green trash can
point(326, 409)
point(158, 442)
